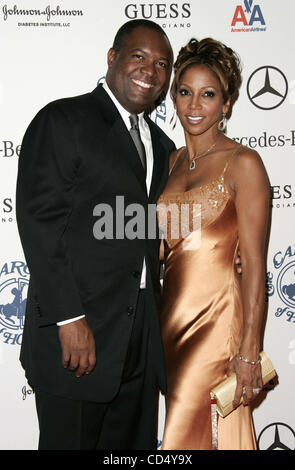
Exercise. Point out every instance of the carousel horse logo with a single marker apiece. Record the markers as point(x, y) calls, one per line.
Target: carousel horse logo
point(284, 283)
point(13, 298)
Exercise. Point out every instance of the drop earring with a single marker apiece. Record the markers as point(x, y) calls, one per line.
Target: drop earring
point(222, 123)
point(173, 120)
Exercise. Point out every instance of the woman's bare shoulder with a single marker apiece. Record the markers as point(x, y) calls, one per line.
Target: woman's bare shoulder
point(247, 163)
point(245, 154)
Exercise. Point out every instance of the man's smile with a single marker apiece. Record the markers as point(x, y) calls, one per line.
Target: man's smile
point(142, 84)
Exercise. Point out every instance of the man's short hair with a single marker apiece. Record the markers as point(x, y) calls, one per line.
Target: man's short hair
point(128, 27)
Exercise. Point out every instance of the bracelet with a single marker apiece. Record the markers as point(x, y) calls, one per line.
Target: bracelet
point(244, 359)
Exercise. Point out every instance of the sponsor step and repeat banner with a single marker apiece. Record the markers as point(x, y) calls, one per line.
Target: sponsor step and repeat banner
point(52, 49)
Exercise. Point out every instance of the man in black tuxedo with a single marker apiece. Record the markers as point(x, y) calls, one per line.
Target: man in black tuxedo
point(91, 345)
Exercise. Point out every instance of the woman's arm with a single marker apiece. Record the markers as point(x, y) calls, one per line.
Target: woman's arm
point(251, 190)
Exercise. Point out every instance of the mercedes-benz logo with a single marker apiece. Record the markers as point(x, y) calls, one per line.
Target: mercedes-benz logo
point(276, 436)
point(267, 87)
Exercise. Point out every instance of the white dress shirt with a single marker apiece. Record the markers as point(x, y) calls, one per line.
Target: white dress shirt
point(147, 142)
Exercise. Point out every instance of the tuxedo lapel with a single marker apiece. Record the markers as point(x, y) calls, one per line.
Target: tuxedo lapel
point(118, 141)
point(160, 162)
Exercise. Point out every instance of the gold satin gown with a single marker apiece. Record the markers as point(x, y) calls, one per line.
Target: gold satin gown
point(201, 318)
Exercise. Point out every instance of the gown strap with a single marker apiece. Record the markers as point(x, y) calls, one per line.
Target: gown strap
point(178, 153)
point(230, 158)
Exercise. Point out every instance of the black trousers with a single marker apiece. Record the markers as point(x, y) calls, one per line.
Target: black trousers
point(128, 422)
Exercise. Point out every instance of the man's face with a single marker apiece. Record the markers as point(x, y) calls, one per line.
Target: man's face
point(140, 70)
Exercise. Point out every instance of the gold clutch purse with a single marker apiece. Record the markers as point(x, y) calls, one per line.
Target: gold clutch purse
point(223, 394)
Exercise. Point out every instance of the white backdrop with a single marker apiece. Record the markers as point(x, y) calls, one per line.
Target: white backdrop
point(53, 49)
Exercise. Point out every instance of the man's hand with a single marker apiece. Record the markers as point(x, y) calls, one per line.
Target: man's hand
point(78, 347)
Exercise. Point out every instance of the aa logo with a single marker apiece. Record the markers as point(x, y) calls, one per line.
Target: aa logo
point(14, 280)
point(248, 18)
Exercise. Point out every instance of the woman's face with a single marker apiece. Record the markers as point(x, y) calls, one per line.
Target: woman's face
point(199, 101)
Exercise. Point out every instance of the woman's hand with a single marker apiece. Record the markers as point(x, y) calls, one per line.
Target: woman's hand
point(249, 380)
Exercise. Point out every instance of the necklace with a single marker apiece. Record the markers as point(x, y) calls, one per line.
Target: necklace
point(193, 160)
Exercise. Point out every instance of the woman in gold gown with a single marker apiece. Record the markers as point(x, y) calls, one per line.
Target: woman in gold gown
point(211, 316)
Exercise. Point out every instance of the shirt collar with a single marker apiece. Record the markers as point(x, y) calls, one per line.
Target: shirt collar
point(123, 112)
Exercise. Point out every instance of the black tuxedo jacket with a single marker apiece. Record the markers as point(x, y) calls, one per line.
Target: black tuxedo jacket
point(76, 154)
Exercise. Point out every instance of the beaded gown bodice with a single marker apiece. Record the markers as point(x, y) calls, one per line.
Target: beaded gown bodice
point(182, 213)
